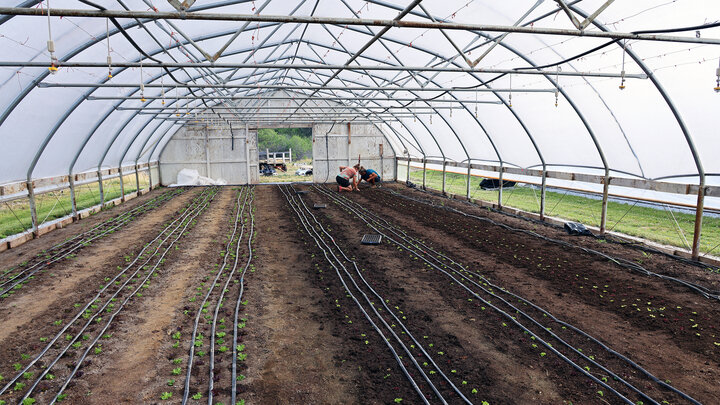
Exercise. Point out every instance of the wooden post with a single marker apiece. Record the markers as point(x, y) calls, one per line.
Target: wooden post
point(137, 181)
point(543, 188)
point(247, 154)
point(407, 175)
point(443, 180)
point(382, 166)
point(424, 172)
point(603, 212)
point(207, 153)
point(122, 184)
point(698, 220)
point(102, 193)
point(73, 202)
point(468, 179)
point(500, 189)
point(348, 145)
point(33, 209)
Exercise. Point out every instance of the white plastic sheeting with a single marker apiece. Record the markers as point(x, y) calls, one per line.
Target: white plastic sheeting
point(190, 177)
point(636, 129)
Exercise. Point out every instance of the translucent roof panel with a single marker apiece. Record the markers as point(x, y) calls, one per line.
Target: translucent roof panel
point(544, 97)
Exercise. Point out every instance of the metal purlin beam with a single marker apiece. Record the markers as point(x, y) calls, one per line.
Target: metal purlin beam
point(685, 131)
point(351, 21)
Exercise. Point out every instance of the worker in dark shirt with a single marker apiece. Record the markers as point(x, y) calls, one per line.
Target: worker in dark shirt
point(370, 175)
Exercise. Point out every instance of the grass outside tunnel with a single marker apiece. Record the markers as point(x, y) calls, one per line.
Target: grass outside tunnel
point(15, 216)
point(659, 225)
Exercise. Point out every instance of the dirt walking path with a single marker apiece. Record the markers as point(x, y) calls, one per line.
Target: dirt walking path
point(292, 352)
point(132, 367)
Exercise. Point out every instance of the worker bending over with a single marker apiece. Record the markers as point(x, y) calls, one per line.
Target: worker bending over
point(370, 175)
point(347, 179)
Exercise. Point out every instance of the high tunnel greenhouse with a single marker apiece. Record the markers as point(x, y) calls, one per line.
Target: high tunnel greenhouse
point(533, 215)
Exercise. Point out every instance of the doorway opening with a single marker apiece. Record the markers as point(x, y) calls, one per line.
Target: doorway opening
point(285, 155)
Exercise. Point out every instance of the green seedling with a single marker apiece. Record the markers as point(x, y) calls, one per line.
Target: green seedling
point(177, 361)
point(197, 396)
point(177, 371)
point(166, 395)
point(170, 382)
point(17, 366)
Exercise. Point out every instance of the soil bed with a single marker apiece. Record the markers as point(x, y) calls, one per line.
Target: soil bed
point(440, 287)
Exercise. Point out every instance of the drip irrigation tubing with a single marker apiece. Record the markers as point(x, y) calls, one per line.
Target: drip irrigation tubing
point(412, 245)
point(202, 198)
point(219, 304)
point(86, 238)
point(388, 309)
point(704, 291)
point(90, 235)
point(251, 236)
point(150, 273)
point(191, 355)
point(327, 252)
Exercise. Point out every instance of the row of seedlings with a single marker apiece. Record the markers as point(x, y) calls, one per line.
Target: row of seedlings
point(693, 323)
point(212, 325)
point(604, 366)
point(408, 351)
point(60, 360)
point(619, 261)
point(15, 278)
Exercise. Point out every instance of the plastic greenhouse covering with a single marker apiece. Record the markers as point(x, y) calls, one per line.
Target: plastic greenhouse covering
point(541, 99)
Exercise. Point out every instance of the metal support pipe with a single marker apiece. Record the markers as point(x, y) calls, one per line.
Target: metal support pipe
point(221, 65)
point(323, 98)
point(33, 209)
point(698, 221)
point(297, 87)
point(603, 212)
point(150, 175)
point(397, 23)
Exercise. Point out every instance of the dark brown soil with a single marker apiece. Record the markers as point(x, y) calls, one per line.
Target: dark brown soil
point(307, 341)
point(676, 343)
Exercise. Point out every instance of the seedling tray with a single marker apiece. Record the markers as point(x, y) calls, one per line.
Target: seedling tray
point(371, 239)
